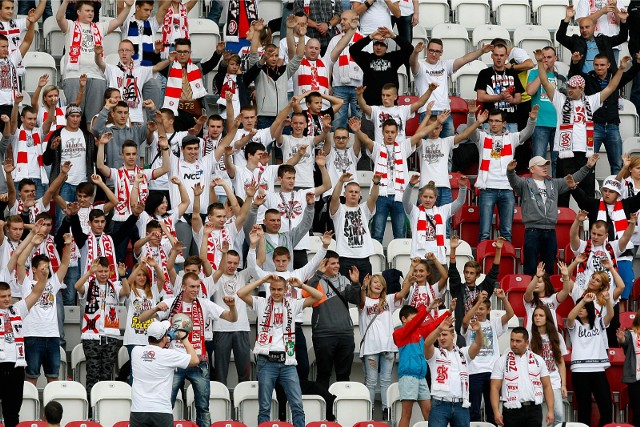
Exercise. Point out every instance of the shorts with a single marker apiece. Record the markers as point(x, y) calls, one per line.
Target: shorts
point(412, 388)
point(42, 351)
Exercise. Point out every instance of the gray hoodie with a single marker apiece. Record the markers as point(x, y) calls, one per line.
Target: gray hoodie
point(331, 317)
point(535, 213)
point(272, 95)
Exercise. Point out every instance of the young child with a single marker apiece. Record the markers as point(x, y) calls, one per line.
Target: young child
point(151, 246)
point(229, 79)
point(412, 365)
point(422, 292)
point(481, 367)
point(540, 291)
point(376, 347)
point(314, 110)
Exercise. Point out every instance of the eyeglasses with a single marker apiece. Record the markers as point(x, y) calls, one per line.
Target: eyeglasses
point(434, 51)
point(183, 52)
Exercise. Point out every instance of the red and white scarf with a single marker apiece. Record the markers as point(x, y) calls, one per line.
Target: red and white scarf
point(174, 84)
point(229, 85)
point(61, 122)
point(618, 217)
point(265, 331)
point(347, 67)
point(491, 154)
point(196, 336)
point(101, 247)
point(382, 168)
point(73, 62)
point(33, 210)
point(27, 151)
point(442, 380)
point(439, 228)
point(312, 75)
point(159, 255)
point(169, 24)
point(214, 244)
point(48, 248)
point(569, 117)
point(123, 190)
point(512, 379)
point(11, 332)
point(100, 313)
point(582, 267)
point(418, 299)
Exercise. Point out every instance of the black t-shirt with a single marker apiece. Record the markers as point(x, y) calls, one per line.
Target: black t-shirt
point(495, 82)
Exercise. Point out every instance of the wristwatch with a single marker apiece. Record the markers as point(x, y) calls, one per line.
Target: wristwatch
point(329, 25)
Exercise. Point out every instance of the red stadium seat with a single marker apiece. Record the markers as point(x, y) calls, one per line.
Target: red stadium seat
point(413, 123)
point(469, 224)
point(515, 282)
point(184, 423)
point(228, 423)
point(455, 187)
point(275, 424)
point(618, 425)
point(370, 424)
point(517, 231)
point(485, 253)
point(459, 110)
point(322, 424)
point(566, 216)
point(556, 281)
point(635, 292)
point(568, 254)
point(627, 318)
point(32, 424)
point(83, 424)
point(121, 424)
point(516, 299)
point(614, 374)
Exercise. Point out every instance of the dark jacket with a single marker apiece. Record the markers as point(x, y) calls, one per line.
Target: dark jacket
point(218, 81)
point(605, 44)
point(331, 315)
point(52, 157)
point(379, 70)
point(629, 366)
point(608, 113)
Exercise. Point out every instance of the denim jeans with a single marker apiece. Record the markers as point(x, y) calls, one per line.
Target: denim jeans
point(445, 414)
point(609, 135)
point(539, 245)
point(69, 294)
point(444, 197)
point(479, 387)
point(42, 352)
point(371, 363)
point(60, 310)
point(215, 12)
point(348, 95)
point(542, 138)
point(286, 375)
point(386, 205)
point(25, 5)
point(505, 201)
point(625, 270)
point(198, 376)
point(68, 193)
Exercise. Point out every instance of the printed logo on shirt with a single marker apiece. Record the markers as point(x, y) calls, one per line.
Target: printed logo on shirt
point(148, 356)
point(46, 299)
point(74, 148)
point(547, 355)
point(487, 341)
point(501, 83)
point(353, 229)
point(380, 65)
point(497, 148)
point(87, 44)
point(432, 154)
point(437, 73)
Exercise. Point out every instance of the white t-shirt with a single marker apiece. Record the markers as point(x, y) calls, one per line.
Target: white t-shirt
point(218, 236)
point(86, 61)
point(552, 304)
point(423, 295)
point(589, 351)
point(43, 316)
point(39, 207)
point(277, 335)
point(547, 355)
point(406, 149)
point(525, 386)
point(116, 78)
point(7, 249)
point(9, 336)
point(452, 373)
point(597, 254)
point(406, 7)
point(420, 247)
point(490, 351)
point(191, 174)
point(497, 174)
point(579, 117)
point(350, 79)
point(434, 161)
point(74, 150)
point(379, 338)
point(353, 237)
point(437, 73)
point(135, 332)
point(339, 162)
point(152, 368)
point(7, 93)
point(304, 168)
point(377, 16)
point(245, 177)
point(32, 150)
point(380, 113)
point(228, 286)
point(262, 136)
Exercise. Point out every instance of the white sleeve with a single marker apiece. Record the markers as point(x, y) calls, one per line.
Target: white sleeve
point(498, 372)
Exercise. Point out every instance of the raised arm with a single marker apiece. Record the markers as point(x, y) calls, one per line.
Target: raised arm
point(575, 229)
point(433, 336)
point(244, 293)
point(354, 124)
point(61, 16)
point(542, 75)
point(366, 109)
point(472, 56)
point(122, 15)
point(477, 344)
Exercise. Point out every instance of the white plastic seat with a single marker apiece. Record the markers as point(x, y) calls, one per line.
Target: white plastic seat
point(399, 254)
point(111, 402)
point(268, 10)
point(30, 409)
point(364, 180)
point(112, 59)
point(378, 261)
point(395, 405)
point(315, 408)
point(403, 81)
point(219, 402)
point(111, 41)
point(433, 12)
point(352, 403)
point(549, 12)
point(204, 34)
point(628, 120)
point(79, 365)
point(481, 424)
point(471, 13)
point(631, 145)
point(53, 37)
point(315, 243)
point(503, 340)
point(483, 34)
point(463, 254)
point(563, 53)
point(245, 402)
point(421, 424)
point(195, 12)
point(561, 68)
point(511, 13)
point(420, 35)
point(465, 79)
point(454, 37)
point(531, 37)
point(178, 408)
point(71, 395)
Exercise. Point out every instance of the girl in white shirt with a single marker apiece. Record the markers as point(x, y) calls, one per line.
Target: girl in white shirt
point(540, 291)
point(549, 344)
point(422, 292)
point(589, 357)
point(376, 329)
point(600, 285)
